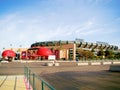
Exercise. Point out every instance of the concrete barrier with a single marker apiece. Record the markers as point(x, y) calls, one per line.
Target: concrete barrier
point(106, 63)
point(116, 62)
point(4, 61)
point(95, 63)
point(115, 68)
point(82, 64)
point(52, 64)
point(49, 64)
point(56, 64)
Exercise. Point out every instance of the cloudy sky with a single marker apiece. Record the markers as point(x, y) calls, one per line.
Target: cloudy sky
point(23, 22)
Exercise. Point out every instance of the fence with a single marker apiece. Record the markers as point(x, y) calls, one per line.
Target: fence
point(35, 81)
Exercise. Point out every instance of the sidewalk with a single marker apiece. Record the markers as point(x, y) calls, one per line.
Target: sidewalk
point(12, 82)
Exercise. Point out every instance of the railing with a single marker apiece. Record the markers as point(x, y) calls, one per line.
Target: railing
point(35, 81)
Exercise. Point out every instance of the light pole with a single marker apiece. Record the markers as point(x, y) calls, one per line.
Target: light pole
point(0, 54)
point(3, 48)
point(19, 54)
point(11, 46)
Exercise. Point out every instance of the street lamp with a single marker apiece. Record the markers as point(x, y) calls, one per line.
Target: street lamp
point(11, 46)
point(19, 53)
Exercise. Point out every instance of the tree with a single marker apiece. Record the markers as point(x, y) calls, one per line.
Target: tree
point(90, 54)
point(85, 54)
point(80, 53)
point(117, 55)
point(109, 54)
point(101, 54)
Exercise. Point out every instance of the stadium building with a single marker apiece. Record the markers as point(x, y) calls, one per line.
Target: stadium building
point(67, 50)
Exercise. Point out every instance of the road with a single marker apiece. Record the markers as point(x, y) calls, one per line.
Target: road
point(69, 76)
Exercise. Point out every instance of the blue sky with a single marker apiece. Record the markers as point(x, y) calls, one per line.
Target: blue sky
point(23, 22)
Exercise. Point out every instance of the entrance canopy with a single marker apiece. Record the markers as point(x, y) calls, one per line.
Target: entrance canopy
point(43, 51)
point(8, 53)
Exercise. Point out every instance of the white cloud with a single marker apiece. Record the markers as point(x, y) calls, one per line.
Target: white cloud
point(101, 1)
point(18, 28)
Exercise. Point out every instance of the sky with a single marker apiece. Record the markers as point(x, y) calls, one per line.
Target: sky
point(24, 22)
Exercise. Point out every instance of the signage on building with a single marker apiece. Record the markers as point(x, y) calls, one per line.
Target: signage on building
point(51, 57)
point(23, 55)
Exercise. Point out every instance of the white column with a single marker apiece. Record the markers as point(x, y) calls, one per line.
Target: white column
point(74, 52)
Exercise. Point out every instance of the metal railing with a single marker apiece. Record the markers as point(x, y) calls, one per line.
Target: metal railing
point(35, 81)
